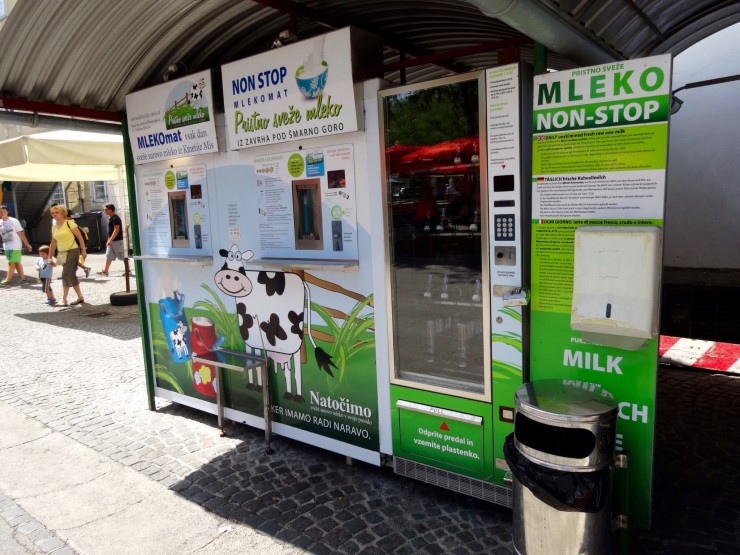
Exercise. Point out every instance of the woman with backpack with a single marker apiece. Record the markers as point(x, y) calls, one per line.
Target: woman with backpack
point(68, 244)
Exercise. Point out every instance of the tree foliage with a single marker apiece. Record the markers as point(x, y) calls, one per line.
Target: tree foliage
point(432, 115)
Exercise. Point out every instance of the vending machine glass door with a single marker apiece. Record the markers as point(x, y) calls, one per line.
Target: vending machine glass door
point(438, 304)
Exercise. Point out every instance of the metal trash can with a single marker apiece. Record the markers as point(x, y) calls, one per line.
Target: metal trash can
point(560, 456)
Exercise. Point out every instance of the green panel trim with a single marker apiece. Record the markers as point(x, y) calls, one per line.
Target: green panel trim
point(455, 442)
point(138, 272)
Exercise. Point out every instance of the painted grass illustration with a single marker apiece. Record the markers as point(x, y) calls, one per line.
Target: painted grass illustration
point(162, 371)
point(501, 369)
point(353, 337)
point(184, 115)
point(227, 323)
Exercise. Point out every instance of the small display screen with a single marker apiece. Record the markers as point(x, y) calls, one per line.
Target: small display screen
point(503, 183)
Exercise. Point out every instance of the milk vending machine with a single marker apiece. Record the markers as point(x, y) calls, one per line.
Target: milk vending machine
point(455, 273)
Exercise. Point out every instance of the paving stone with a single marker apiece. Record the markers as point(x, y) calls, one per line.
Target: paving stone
point(20, 519)
point(39, 535)
point(29, 526)
point(12, 512)
point(50, 544)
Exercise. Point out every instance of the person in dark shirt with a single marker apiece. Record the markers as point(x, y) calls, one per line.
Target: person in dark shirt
point(114, 245)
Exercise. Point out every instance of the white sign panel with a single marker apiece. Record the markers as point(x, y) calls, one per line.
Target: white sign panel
point(172, 120)
point(291, 93)
point(174, 210)
point(504, 161)
point(306, 206)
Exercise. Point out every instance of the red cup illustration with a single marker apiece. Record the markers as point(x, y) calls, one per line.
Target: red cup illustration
point(203, 339)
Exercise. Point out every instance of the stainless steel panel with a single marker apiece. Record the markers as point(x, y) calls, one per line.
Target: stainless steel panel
point(567, 409)
point(539, 529)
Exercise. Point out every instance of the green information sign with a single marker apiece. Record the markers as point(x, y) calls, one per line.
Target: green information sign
point(169, 180)
point(599, 152)
point(296, 165)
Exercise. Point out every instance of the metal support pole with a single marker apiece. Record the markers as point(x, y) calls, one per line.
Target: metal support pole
point(266, 405)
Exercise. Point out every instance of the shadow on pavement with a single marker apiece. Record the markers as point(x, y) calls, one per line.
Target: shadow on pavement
point(312, 499)
point(100, 319)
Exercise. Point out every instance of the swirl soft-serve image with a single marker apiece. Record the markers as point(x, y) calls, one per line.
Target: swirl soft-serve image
point(312, 74)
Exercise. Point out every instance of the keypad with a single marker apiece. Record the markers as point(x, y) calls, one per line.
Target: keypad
point(504, 227)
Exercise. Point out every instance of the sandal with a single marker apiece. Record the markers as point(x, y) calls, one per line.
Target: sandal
point(78, 301)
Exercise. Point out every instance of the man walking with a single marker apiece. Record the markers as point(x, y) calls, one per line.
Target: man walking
point(13, 240)
point(114, 245)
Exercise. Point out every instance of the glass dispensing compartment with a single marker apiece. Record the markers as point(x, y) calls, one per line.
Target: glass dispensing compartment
point(179, 219)
point(433, 136)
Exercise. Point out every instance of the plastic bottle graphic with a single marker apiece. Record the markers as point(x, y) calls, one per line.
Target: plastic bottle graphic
point(174, 324)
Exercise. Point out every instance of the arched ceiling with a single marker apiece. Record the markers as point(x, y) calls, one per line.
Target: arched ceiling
point(91, 53)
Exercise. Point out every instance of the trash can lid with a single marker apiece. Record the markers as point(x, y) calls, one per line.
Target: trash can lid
point(562, 400)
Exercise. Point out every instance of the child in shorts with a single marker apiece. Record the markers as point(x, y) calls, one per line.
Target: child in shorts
point(46, 272)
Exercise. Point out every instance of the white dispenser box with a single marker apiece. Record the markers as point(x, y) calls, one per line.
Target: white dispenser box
point(616, 284)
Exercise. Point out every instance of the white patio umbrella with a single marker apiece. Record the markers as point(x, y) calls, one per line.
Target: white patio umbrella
point(62, 156)
point(67, 155)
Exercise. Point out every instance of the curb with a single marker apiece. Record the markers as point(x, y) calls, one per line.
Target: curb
point(29, 531)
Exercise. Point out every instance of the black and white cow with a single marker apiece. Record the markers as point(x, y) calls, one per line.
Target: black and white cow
point(179, 345)
point(194, 98)
point(273, 319)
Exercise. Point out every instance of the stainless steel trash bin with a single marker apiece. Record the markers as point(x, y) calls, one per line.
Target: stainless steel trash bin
point(564, 445)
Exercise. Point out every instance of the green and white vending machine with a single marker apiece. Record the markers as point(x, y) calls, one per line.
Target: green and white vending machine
point(456, 274)
point(463, 159)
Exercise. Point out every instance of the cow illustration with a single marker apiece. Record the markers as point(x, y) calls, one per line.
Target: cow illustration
point(179, 345)
point(272, 319)
point(195, 99)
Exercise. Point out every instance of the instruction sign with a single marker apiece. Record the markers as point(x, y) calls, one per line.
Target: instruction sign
point(173, 210)
point(306, 205)
point(599, 153)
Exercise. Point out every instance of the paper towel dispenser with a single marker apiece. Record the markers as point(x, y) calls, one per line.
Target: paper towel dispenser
point(616, 284)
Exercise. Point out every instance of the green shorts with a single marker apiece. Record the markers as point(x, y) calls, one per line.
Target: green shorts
point(14, 257)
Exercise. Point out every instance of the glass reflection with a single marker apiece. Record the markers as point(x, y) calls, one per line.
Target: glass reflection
point(433, 212)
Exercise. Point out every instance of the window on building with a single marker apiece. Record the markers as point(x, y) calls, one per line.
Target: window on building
point(57, 197)
point(99, 191)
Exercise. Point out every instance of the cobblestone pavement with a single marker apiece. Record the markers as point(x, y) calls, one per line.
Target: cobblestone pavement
point(79, 371)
